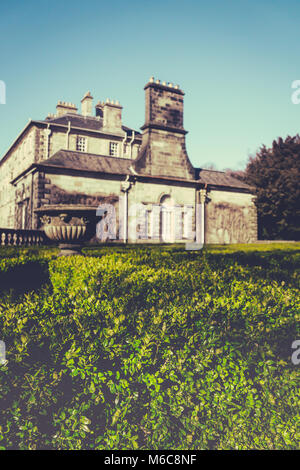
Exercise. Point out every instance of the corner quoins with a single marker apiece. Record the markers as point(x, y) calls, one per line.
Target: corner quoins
point(42, 190)
point(39, 145)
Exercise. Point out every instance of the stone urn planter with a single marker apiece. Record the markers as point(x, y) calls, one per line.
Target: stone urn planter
point(69, 224)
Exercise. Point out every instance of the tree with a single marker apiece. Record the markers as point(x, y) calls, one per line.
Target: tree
point(275, 172)
point(209, 166)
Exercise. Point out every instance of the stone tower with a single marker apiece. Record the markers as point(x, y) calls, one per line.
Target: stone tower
point(163, 151)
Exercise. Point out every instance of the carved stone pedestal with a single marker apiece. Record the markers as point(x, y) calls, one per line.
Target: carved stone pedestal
point(68, 249)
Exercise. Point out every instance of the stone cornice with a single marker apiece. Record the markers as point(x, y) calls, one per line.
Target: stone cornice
point(163, 87)
point(162, 127)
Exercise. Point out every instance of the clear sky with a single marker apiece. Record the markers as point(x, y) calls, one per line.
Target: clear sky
point(234, 59)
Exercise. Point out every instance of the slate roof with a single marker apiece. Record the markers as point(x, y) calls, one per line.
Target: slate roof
point(88, 162)
point(73, 160)
point(91, 123)
point(78, 121)
point(219, 178)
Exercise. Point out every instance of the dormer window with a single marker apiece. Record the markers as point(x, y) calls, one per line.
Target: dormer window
point(113, 149)
point(81, 144)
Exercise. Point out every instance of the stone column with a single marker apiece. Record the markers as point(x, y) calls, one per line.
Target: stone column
point(125, 187)
point(202, 199)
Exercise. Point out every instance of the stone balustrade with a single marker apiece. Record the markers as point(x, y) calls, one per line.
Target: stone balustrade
point(13, 237)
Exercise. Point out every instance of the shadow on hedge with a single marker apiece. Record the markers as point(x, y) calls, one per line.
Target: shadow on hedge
point(24, 278)
point(276, 266)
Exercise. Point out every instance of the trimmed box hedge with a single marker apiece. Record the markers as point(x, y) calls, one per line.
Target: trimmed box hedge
point(151, 348)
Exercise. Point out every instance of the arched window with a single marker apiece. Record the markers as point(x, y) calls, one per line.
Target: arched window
point(167, 213)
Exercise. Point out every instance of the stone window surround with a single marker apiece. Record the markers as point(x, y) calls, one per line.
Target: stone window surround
point(184, 211)
point(81, 143)
point(113, 149)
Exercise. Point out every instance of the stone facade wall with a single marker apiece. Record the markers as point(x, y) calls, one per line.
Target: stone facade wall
point(155, 199)
point(230, 217)
point(37, 144)
point(98, 145)
point(30, 192)
point(68, 189)
point(79, 184)
point(23, 154)
point(51, 188)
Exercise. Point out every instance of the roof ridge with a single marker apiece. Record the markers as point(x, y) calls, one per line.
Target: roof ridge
point(89, 153)
point(209, 169)
point(75, 115)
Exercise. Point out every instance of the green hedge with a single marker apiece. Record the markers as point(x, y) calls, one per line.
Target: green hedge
point(147, 348)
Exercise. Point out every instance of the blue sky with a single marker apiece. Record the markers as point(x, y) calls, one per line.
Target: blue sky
point(235, 60)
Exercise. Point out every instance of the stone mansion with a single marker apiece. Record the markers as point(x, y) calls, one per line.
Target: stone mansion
point(92, 158)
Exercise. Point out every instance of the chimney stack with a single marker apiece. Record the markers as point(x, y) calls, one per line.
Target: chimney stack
point(64, 108)
point(99, 109)
point(164, 105)
point(163, 151)
point(87, 104)
point(112, 115)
